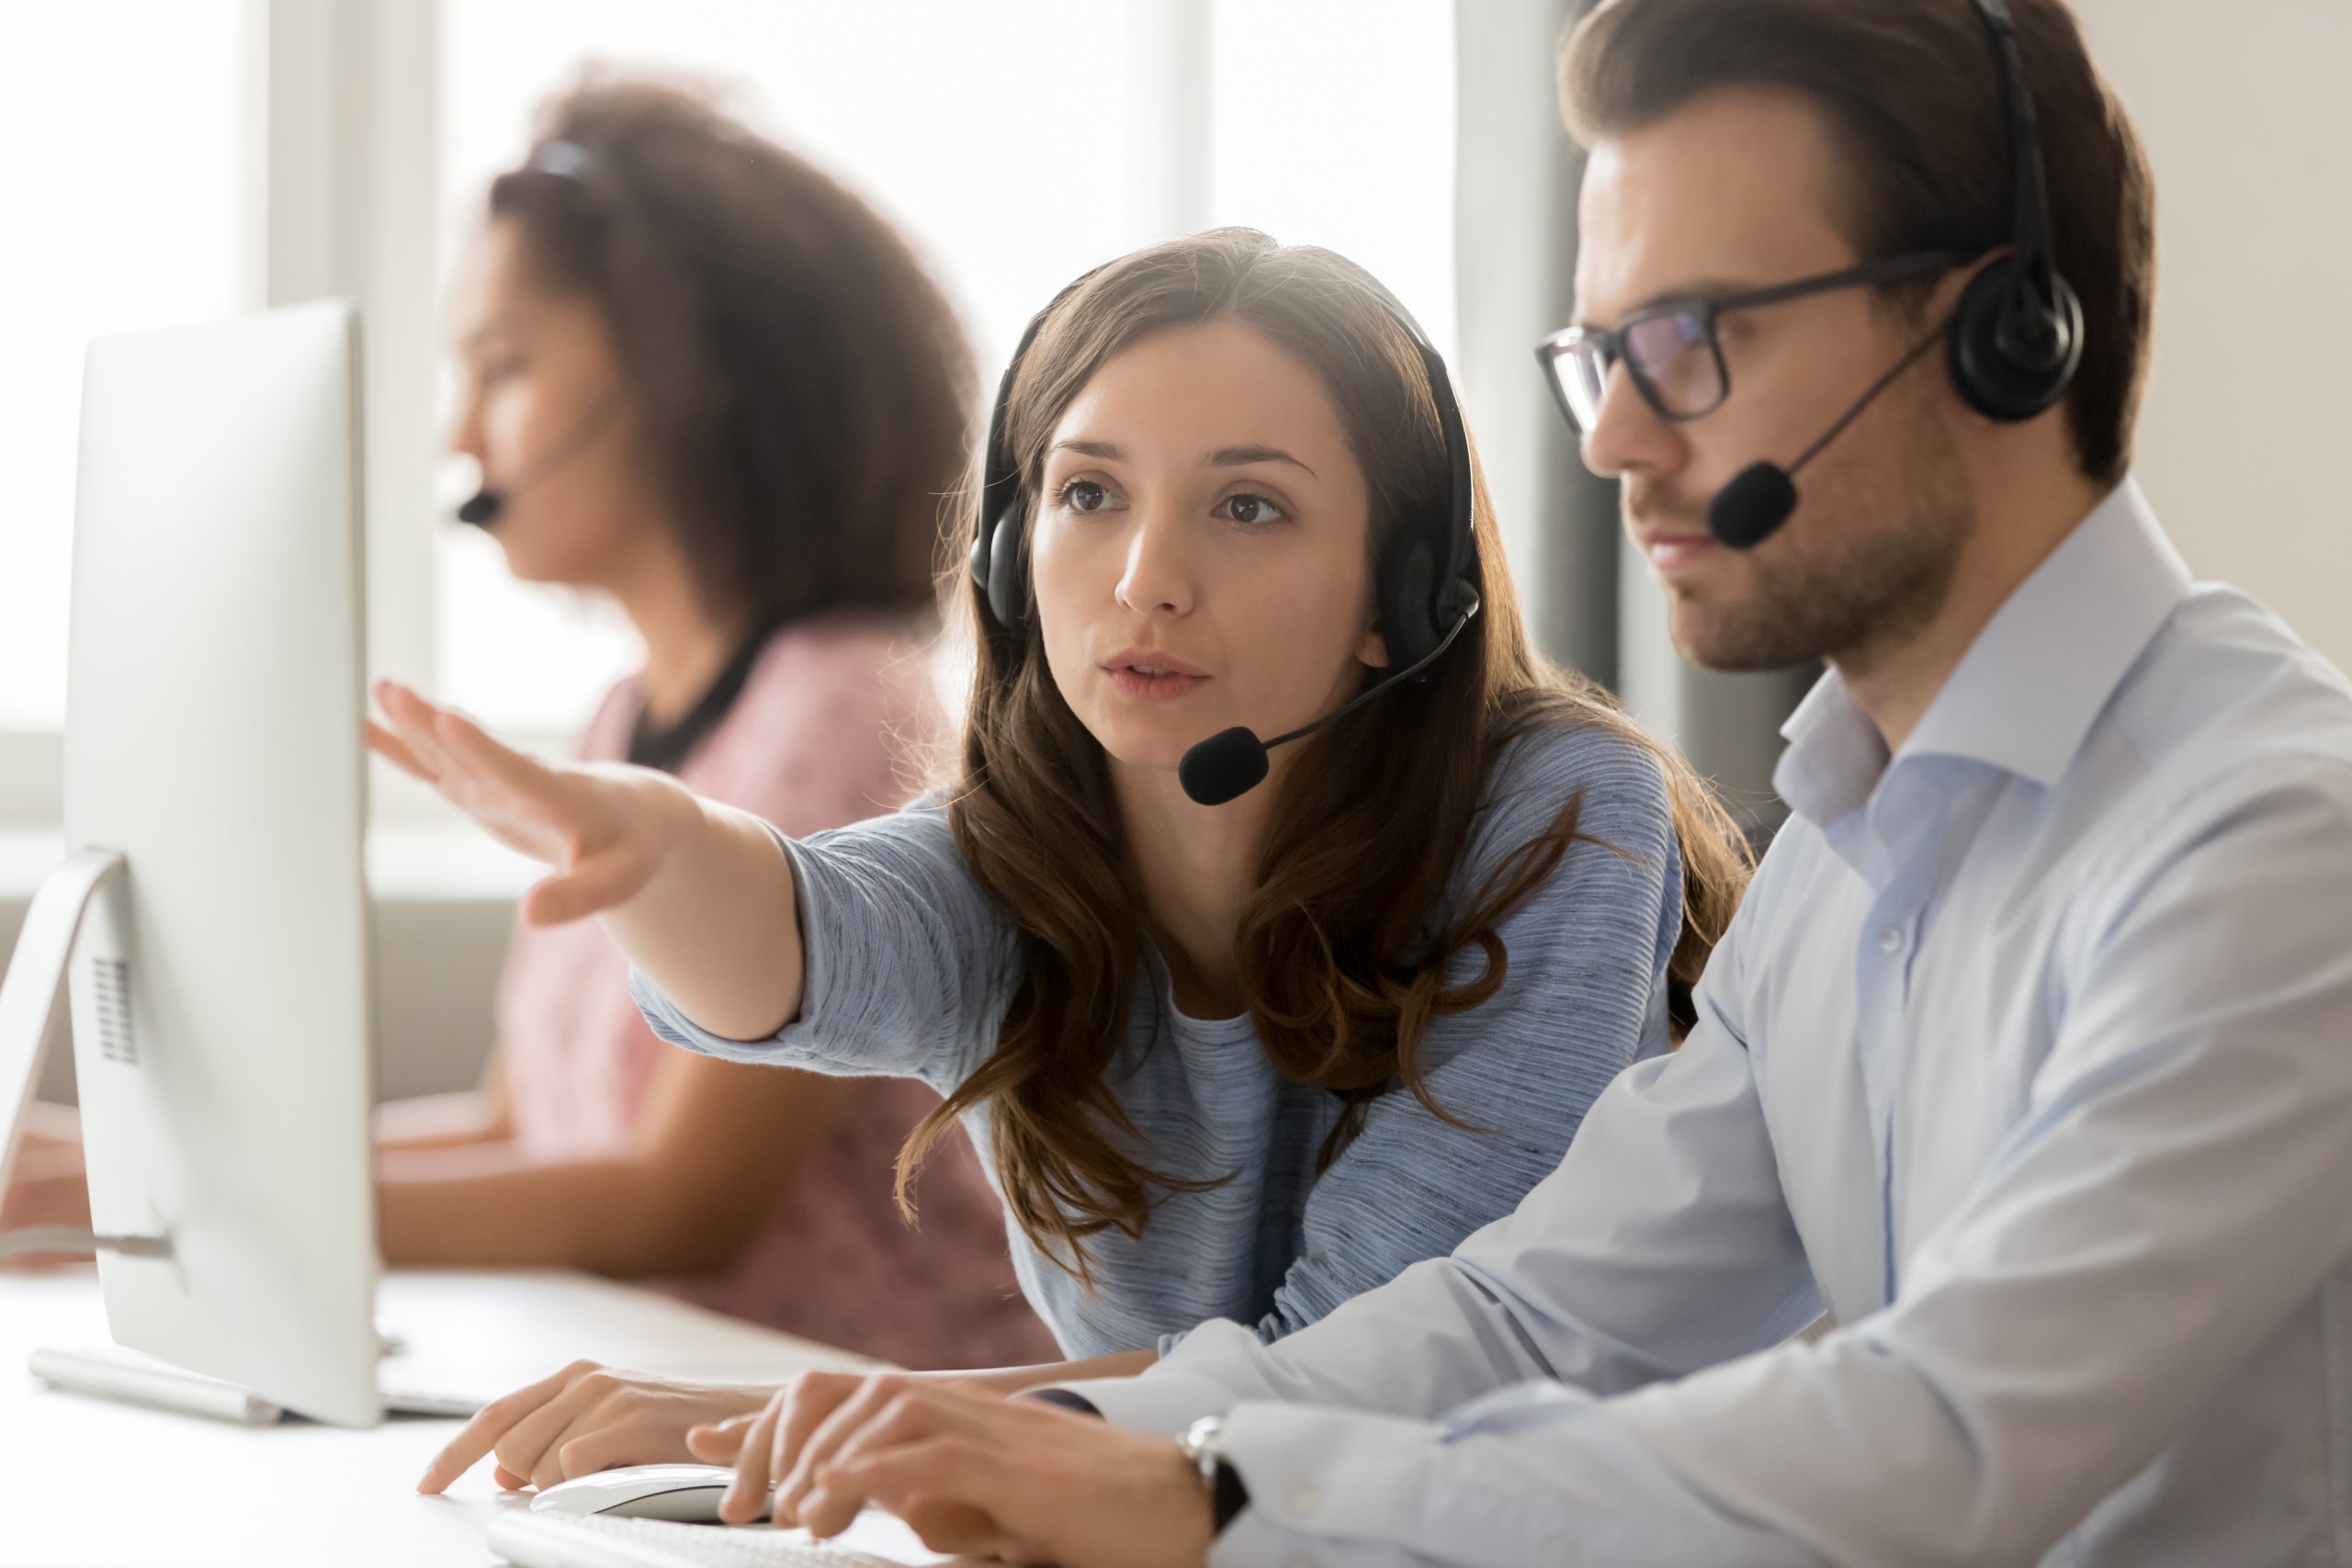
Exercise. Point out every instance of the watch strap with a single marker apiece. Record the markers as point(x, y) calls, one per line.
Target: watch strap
point(1228, 1496)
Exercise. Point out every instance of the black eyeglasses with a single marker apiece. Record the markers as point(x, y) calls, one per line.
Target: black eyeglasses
point(1671, 350)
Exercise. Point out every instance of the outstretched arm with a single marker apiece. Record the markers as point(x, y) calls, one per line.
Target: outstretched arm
point(699, 896)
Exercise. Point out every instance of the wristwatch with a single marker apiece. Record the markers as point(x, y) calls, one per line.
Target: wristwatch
point(1202, 1445)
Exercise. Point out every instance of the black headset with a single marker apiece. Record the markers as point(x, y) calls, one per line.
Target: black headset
point(2017, 333)
point(2013, 342)
point(1424, 582)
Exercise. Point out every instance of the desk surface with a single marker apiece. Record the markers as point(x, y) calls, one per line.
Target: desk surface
point(91, 1483)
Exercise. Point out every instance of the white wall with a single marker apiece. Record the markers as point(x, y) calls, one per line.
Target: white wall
point(2245, 446)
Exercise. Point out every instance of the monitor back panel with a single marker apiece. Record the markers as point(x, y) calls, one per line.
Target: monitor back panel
point(221, 994)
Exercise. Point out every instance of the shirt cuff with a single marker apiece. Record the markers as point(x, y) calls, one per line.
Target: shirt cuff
point(1152, 1403)
point(1325, 1486)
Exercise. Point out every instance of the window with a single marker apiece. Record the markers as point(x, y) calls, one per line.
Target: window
point(126, 210)
point(1017, 142)
point(1333, 125)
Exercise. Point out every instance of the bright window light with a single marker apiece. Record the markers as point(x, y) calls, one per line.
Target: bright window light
point(124, 211)
point(1014, 144)
point(1333, 125)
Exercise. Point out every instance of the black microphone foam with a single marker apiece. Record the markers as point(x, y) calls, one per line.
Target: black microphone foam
point(486, 505)
point(1226, 766)
point(1232, 762)
point(1751, 508)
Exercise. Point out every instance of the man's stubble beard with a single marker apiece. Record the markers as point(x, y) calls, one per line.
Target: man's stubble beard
point(1874, 563)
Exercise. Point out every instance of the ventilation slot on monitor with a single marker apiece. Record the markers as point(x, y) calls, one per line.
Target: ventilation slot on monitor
point(110, 980)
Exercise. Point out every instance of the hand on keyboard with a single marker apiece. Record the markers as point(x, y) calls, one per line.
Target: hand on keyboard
point(972, 1471)
point(766, 1445)
point(587, 1417)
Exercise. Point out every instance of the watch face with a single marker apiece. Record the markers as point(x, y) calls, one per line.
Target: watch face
point(1228, 1496)
point(1199, 1444)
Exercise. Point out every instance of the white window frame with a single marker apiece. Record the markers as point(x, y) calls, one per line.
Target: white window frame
point(341, 144)
point(32, 785)
point(345, 142)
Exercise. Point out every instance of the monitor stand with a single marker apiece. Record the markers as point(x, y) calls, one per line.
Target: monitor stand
point(28, 998)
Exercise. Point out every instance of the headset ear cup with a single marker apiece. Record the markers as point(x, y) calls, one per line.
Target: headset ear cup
point(1007, 582)
point(1408, 597)
point(2001, 373)
point(978, 561)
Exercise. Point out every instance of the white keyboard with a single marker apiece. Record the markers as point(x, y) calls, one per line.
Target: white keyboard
point(530, 1539)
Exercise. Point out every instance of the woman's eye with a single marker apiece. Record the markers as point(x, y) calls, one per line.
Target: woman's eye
point(1249, 509)
point(1083, 495)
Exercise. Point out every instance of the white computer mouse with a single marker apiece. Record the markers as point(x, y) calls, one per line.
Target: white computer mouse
point(688, 1493)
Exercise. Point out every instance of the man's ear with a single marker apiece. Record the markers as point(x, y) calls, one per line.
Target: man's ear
point(1373, 649)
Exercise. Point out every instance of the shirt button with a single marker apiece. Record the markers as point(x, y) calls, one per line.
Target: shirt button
point(1304, 1500)
point(1890, 940)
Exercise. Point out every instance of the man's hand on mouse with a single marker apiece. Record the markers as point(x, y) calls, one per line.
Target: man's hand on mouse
point(969, 1470)
point(586, 1418)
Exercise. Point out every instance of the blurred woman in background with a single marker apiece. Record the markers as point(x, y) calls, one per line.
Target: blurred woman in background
point(704, 381)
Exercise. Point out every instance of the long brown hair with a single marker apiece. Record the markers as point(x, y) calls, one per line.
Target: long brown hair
point(805, 388)
point(1337, 961)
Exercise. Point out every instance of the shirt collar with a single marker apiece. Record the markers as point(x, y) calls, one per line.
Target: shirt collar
point(2032, 683)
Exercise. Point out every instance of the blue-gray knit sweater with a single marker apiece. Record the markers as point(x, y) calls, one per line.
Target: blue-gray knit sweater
point(910, 967)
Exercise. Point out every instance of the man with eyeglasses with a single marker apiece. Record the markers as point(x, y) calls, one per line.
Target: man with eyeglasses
point(2028, 1061)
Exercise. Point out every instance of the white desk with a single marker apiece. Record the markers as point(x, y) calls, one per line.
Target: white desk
point(86, 1483)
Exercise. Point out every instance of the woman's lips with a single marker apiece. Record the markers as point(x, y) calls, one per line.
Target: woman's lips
point(1153, 675)
point(1154, 687)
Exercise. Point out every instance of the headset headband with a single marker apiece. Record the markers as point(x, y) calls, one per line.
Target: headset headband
point(2029, 183)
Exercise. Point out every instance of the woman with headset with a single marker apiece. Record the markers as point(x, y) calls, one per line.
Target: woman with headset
point(704, 382)
point(1244, 1059)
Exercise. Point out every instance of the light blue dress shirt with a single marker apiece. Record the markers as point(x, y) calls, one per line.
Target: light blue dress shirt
point(2028, 1059)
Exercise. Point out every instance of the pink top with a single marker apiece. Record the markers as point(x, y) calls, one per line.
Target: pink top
point(818, 738)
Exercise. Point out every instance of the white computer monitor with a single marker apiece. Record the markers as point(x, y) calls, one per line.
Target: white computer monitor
point(220, 987)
